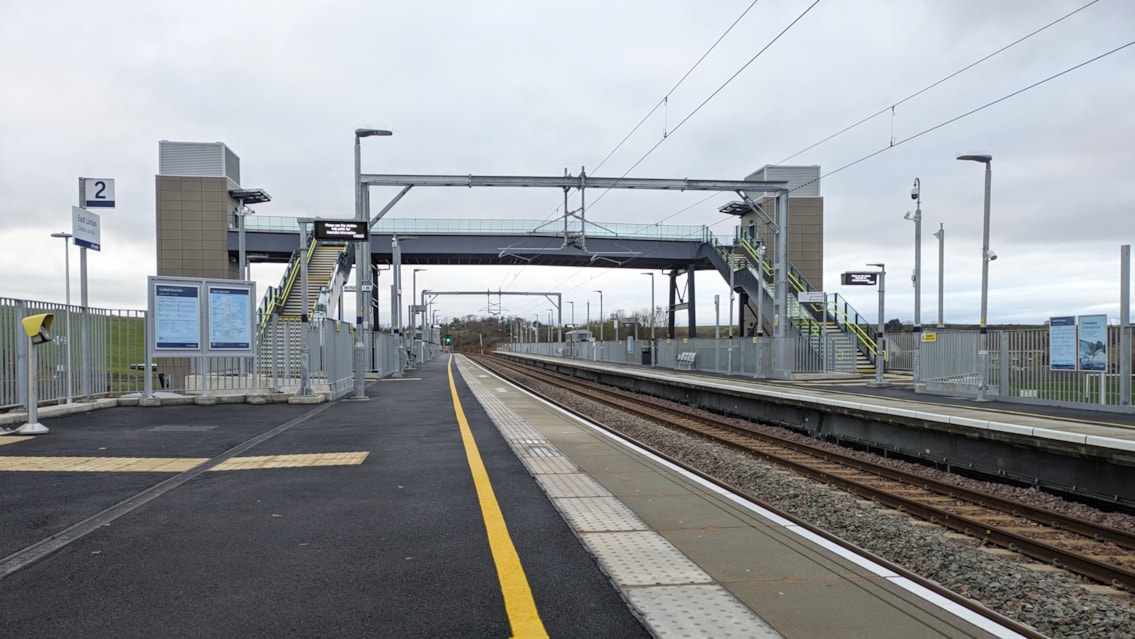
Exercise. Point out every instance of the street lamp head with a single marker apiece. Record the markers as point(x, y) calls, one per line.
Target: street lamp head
point(62, 235)
point(880, 265)
point(366, 133)
point(984, 159)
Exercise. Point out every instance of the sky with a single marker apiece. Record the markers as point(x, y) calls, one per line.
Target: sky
point(660, 89)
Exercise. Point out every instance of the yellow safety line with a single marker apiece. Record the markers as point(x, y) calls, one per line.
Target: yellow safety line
point(518, 602)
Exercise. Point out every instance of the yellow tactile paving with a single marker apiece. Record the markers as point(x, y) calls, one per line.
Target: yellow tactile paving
point(100, 464)
point(173, 464)
point(12, 439)
point(292, 461)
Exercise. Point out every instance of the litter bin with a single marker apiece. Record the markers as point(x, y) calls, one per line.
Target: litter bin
point(647, 355)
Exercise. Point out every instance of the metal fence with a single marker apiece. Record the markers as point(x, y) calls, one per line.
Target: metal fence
point(1020, 370)
point(94, 353)
point(1018, 364)
point(102, 353)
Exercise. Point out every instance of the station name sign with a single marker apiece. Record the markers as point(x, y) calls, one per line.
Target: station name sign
point(341, 230)
point(864, 278)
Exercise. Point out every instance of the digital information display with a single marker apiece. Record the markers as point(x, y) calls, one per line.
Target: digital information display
point(341, 230)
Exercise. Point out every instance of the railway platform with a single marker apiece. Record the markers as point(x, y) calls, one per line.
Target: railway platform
point(1085, 453)
point(448, 504)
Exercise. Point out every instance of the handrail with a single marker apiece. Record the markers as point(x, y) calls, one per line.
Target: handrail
point(287, 281)
point(338, 278)
point(809, 317)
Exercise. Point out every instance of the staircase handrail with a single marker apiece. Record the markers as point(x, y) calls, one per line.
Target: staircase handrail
point(287, 281)
point(841, 313)
point(339, 277)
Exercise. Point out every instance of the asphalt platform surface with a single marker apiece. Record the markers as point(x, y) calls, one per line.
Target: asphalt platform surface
point(393, 547)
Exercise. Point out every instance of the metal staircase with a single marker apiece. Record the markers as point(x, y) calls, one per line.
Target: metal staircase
point(282, 307)
point(841, 336)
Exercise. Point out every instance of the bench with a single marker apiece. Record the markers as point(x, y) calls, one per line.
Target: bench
point(686, 361)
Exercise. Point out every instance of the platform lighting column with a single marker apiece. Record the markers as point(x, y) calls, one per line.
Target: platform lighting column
point(67, 292)
point(760, 310)
point(879, 359)
point(986, 257)
point(362, 269)
point(916, 217)
point(940, 234)
point(415, 339)
point(572, 312)
point(600, 314)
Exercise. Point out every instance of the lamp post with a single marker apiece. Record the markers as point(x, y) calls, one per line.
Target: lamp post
point(415, 339)
point(572, 312)
point(760, 311)
point(363, 286)
point(916, 195)
point(600, 314)
point(879, 360)
point(941, 235)
point(67, 292)
point(987, 256)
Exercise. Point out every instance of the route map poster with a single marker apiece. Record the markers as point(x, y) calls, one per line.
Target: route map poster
point(177, 317)
point(230, 319)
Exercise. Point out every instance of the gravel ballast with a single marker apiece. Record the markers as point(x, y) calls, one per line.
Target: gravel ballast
point(1055, 603)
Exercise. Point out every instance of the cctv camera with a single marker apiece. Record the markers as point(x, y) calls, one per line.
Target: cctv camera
point(992, 256)
point(914, 194)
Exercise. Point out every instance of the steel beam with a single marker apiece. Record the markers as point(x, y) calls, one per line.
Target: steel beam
point(572, 182)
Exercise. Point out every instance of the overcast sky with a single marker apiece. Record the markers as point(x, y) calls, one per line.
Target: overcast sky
point(523, 88)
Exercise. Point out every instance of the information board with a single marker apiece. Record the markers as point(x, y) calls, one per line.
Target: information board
point(177, 317)
point(341, 230)
point(861, 278)
point(1093, 342)
point(1062, 343)
point(230, 318)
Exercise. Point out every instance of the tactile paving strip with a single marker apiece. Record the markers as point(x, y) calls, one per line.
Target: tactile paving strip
point(572, 485)
point(697, 611)
point(599, 514)
point(643, 559)
point(550, 464)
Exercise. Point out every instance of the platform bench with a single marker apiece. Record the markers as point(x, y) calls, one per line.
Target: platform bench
point(686, 361)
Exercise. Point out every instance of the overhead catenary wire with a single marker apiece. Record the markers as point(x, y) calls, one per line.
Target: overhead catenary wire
point(664, 102)
point(930, 86)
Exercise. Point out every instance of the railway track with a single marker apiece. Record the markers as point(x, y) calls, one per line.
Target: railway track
point(1100, 553)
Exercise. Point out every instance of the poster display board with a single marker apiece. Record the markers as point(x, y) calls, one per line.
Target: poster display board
point(200, 316)
point(176, 312)
point(1093, 342)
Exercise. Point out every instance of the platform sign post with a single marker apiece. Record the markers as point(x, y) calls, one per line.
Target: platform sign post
point(93, 193)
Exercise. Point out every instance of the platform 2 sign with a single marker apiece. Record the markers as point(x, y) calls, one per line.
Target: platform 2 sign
point(98, 193)
point(862, 278)
point(341, 230)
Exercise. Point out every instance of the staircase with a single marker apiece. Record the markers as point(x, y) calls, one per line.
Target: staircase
point(835, 330)
point(321, 267)
point(328, 268)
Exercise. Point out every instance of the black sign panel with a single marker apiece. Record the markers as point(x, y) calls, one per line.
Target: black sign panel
point(866, 278)
point(341, 230)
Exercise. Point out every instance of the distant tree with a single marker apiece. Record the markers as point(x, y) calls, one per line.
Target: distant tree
point(893, 326)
